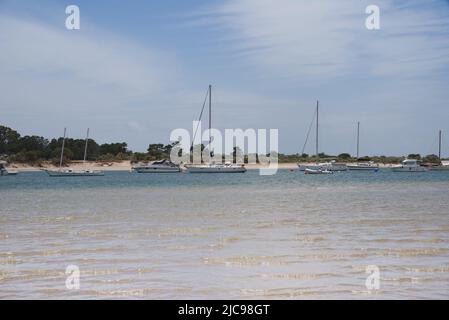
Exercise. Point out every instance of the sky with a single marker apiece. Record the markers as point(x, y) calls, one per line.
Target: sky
point(136, 70)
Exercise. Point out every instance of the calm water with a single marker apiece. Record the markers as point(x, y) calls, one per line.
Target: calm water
point(225, 236)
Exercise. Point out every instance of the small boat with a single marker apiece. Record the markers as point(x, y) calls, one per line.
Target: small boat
point(329, 166)
point(443, 165)
point(4, 171)
point(439, 168)
point(74, 173)
point(216, 168)
point(363, 166)
point(317, 171)
point(409, 165)
point(160, 166)
point(70, 172)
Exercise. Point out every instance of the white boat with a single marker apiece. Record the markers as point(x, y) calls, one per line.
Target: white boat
point(324, 166)
point(4, 171)
point(443, 165)
point(317, 171)
point(409, 165)
point(329, 166)
point(216, 168)
point(213, 167)
point(439, 168)
point(363, 166)
point(161, 166)
point(74, 173)
point(70, 172)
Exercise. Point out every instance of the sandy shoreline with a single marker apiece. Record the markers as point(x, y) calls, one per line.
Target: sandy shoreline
point(127, 166)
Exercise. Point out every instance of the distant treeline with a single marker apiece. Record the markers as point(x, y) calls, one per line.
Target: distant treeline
point(34, 149)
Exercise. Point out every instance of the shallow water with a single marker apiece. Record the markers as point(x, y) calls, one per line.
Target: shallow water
point(225, 236)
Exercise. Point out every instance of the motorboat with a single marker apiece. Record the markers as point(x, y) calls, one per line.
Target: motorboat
point(216, 168)
point(160, 166)
point(363, 166)
point(4, 171)
point(409, 165)
point(74, 173)
point(317, 171)
point(329, 166)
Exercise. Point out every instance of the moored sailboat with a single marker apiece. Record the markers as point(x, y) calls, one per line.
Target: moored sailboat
point(323, 166)
point(214, 167)
point(443, 165)
point(70, 172)
point(362, 166)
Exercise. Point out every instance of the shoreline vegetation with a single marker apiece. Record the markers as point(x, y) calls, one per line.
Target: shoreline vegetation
point(33, 153)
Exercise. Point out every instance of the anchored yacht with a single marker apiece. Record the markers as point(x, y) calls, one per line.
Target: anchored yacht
point(160, 166)
point(363, 166)
point(409, 165)
point(216, 168)
point(329, 166)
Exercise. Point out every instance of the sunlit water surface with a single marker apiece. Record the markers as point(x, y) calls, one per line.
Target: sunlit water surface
point(230, 236)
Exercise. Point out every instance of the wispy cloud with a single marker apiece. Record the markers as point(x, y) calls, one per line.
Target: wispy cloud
point(316, 39)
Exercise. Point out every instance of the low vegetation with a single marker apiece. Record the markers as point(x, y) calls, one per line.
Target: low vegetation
point(35, 149)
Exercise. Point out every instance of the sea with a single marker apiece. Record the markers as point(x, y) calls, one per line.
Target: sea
point(350, 235)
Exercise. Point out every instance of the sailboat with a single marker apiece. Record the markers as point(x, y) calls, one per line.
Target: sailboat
point(70, 172)
point(362, 166)
point(442, 166)
point(214, 167)
point(324, 166)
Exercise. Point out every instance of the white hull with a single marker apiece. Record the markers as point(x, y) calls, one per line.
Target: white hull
point(440, 168)
point(409, 169)
point(410, 165)
point(157, 170)
point(323, 166)
point(362, 168)
point(312, 171)
point(216, 169)
point(69, 173)
point(8, 173)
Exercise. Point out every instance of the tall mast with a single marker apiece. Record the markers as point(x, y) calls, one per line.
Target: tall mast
point(62, 150)
point(210, 115)
point(439, 146)
point(317, 116)
point(85, 147)
point(358, 139)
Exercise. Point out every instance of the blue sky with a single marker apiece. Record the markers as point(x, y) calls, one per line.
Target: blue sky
point(137, 70)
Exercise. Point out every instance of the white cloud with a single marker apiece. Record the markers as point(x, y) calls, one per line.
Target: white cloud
point(311, 40)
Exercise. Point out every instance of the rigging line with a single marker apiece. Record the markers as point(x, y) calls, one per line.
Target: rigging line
point(201, 115)
point(308, 132)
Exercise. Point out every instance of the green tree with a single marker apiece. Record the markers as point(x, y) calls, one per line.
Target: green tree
point(156, 151)
point(9, 140)
point(431, 158)
point(416, 156)
point(114, 148)
point(344, 156)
